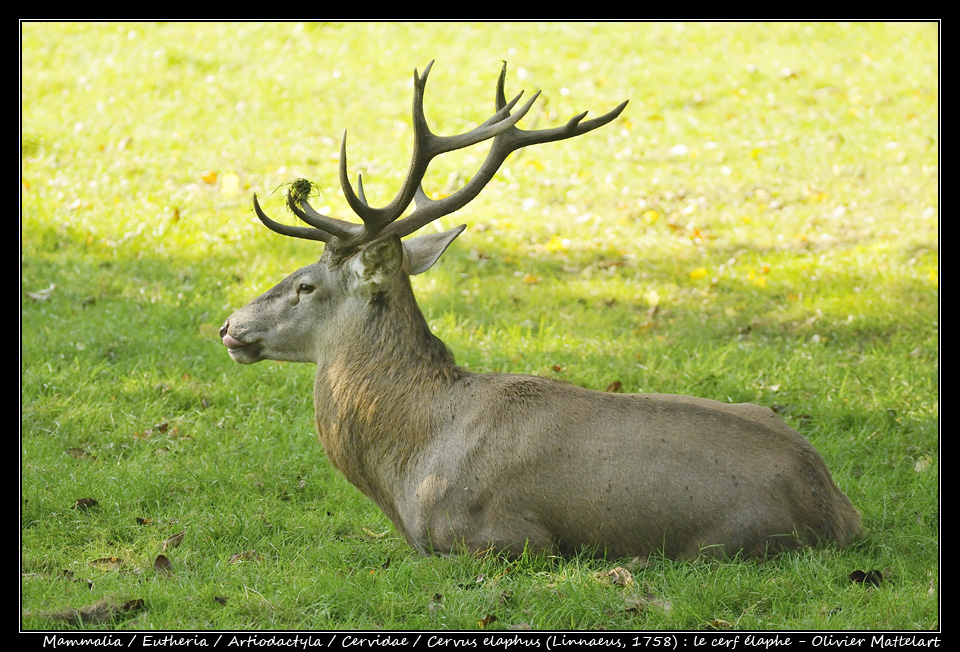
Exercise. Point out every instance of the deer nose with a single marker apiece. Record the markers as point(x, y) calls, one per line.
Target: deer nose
point(228, 340)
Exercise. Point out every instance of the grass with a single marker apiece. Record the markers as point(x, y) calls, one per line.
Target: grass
point(761, 225)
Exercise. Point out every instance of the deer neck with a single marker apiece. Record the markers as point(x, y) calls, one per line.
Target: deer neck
point(377, 396)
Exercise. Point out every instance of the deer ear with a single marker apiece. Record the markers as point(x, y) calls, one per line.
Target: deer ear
point(379, 262)
point(423, 251)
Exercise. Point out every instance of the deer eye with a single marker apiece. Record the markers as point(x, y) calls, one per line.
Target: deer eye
point(305, 288)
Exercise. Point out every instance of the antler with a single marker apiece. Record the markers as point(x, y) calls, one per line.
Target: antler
point(501, 127)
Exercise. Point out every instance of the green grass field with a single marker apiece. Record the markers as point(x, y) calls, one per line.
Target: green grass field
point(760, 225)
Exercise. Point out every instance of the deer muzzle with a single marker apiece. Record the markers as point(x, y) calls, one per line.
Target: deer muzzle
point(233, 344)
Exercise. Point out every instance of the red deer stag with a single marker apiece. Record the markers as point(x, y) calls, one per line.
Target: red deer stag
point(465, 461)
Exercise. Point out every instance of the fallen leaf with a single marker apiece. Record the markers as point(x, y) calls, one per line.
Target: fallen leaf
point(871, 577)
point(373, 534)
point(42, 295)
point(619, 576)
point(174, 541)
point(163, 565)
point(84, 503)
point(107, 563)
point(614, 386)
point(486, 620)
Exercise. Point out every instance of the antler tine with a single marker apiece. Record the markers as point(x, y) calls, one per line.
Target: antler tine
point(322, 228)
point(508, 141)
point(338, 228)
point(427, 145)
point(307, 233)
point(522, 138)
